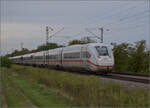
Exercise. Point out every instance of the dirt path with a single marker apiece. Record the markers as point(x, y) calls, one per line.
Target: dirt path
point(18, 90)
point(3, 103)
point(28, 101)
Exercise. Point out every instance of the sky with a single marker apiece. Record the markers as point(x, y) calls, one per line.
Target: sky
point(25, 22)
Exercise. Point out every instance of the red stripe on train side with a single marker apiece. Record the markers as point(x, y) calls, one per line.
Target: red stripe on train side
point(74, 61)
point(98, 65)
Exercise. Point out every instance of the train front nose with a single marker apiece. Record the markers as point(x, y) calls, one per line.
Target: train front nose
point(105, 64)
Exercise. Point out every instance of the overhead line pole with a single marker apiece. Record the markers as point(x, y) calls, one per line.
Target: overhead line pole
point(47, 33)
point(21, 45)
point(102, 33)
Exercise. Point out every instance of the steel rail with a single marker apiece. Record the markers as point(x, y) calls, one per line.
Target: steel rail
point(129, 78)
point(131, 74)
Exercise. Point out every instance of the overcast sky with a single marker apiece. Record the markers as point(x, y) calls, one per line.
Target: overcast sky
point(25, 21)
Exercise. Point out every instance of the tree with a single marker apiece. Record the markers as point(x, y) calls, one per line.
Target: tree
point(39, 48)
point(83, 40)
point(121, 55)
point(132, 58)
point(87, 40)
point(5, 62)
point(23, 51)
point(73, 42)
point(48, 46)
point(140, 58)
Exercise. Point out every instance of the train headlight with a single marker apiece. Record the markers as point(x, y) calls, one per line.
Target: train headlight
point(99, 56)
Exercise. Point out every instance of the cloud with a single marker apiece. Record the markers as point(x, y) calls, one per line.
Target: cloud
point(25, 21)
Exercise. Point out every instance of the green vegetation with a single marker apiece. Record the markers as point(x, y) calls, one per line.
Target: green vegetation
point(5, 62)
point(13, 98)
point(81, 89)
point(84, 40)
point(39, 48)
point(48, 46)
point(16, 52)
point(74, 42)
point(132, 59)
point(39, 95)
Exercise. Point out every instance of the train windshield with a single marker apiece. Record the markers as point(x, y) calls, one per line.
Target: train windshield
point(102, 50)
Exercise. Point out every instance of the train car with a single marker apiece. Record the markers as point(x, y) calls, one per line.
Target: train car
point(17, 59)
point(101, 57)
point(90, 57)
point(27, 59)
point(38, 58)
point(71, 57)
point(54, 57)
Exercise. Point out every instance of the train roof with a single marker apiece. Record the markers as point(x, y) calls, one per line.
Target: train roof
point(15, 57)
point(39, 53)
point(27, 55)
point(72, 47)
point(57, 49)
point(89, 44)
point(94, 44)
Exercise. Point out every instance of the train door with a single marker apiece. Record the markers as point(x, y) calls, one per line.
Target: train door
point(47, 58)
point(84, 63)
point(61, 57)
point(44, 57)
point(21, 60)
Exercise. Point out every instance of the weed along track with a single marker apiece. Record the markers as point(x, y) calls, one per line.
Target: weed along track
point(39, 85)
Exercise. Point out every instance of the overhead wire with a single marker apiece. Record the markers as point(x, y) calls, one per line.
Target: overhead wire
point(121, 11)
point(122, 19)
point(137, 21)
point(117, 13)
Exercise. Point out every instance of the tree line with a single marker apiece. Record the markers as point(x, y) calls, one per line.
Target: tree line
point(132, 58)
point(48, 46)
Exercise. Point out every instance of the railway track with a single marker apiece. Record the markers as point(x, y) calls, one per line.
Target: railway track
point(145, 79)
point(120, 76)
point(127, 77)
point(131, 74)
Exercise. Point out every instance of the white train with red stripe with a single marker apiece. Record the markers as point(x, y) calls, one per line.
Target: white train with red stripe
point(89, 57)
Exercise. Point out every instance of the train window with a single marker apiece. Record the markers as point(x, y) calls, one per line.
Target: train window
point(21, 58)
point(86, 54)
point(52, 56)
point(102, 50)
point(31, 56)
point(72, 55)
point(38, 57)
point(46, 56)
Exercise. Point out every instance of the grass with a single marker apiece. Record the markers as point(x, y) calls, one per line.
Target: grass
point(13, 98)
point(39, 95)
point(83, 90)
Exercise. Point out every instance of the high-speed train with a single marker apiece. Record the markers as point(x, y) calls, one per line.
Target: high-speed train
point(96, 57)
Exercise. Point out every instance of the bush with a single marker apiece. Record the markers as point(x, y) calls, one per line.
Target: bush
point(5, 62)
